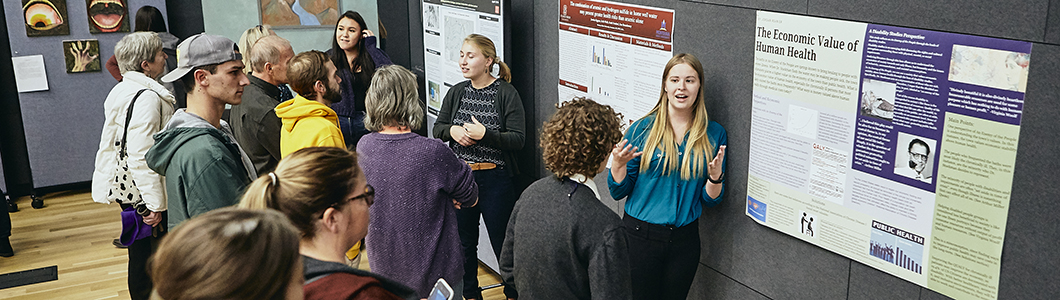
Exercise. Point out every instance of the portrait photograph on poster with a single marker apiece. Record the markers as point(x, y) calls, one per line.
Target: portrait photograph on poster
point(107, 16)
point(914, 156)
point(45, 17)
point(81, 56)
point(296, 13)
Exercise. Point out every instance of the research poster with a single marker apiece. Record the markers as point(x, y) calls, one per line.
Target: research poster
point(614, 53)
point(891, 146)
point(445, 25)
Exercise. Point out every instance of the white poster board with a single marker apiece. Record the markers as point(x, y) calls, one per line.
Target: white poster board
point(445, 25)
point(614, 53)
point(891, 146)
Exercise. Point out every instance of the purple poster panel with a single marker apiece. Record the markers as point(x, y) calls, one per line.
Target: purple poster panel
point(911, 78)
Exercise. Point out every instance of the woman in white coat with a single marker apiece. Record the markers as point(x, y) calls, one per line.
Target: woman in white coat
point(141, 62)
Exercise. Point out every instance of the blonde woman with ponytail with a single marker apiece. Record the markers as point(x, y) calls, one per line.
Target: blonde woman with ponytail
point(682, 171)
point(482, 119)
point(325, 195)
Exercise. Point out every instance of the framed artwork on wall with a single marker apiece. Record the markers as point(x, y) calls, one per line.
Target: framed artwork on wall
point(107, 16)
point(45, 17)
point(298, 13)
point(81, 56)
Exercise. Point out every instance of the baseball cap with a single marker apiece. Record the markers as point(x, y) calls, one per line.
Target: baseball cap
point(200, 50)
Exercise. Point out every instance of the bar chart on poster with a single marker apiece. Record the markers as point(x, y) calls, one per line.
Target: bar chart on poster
point(445, 25)
point(891, 146)
point(614, 53)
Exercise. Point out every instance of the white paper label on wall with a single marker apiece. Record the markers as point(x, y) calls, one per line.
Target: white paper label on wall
point(30, 75)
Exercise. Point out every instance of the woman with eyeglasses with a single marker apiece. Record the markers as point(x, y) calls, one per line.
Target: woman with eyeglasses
point(324, 194)
point(413, 235)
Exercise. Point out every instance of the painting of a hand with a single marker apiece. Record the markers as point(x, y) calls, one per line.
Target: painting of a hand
point(82, 56)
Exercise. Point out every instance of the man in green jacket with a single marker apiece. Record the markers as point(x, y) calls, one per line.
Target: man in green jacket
point(204, 166)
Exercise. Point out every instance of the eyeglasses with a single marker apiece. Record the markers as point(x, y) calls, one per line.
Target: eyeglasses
point(917, 156)
point(368, 196)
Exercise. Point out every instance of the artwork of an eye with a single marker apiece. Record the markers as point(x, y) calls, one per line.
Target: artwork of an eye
point(45, 17)
point(42, 15)
point(107, 16)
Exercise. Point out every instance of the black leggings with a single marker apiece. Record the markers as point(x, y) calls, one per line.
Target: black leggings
point(663, 259)
point(496, 199)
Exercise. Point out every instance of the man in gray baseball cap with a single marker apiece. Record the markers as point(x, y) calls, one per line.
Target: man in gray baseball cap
point(204, 166)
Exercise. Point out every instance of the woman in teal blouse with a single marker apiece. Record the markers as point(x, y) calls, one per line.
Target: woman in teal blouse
point(667, 189)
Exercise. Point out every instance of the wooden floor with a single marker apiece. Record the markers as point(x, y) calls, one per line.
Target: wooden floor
point(75, 234)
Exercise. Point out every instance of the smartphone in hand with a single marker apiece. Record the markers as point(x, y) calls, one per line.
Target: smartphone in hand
point(441, 291)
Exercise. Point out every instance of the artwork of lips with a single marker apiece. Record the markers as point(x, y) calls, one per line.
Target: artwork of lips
point(107, 15)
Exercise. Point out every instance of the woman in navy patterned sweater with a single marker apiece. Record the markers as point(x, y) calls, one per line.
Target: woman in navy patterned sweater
point(482, 119)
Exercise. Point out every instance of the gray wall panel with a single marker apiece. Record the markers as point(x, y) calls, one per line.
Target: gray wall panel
point(1052, 31)
point(1017, 19)
point(63, 124)
point(869, 283)
point(546, 68)
point(743, 260)
point(788, 6)
point(709, 284)
point(926, 294)
point(1029, 260)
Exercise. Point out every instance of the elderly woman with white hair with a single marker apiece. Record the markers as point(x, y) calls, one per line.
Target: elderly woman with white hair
point(412, 236)
point(136, 108)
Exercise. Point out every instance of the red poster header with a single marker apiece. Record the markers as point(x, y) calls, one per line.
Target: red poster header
point(573, 29)
point(610, 36)
point(651, 44)
point(574, 86)
point(644, 22)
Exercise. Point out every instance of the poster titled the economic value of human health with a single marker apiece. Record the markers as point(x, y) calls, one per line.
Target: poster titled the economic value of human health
point(891, 146)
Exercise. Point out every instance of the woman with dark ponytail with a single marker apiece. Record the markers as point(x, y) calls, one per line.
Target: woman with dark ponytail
point(354, 52)
point(482, 119)
point(326, 197)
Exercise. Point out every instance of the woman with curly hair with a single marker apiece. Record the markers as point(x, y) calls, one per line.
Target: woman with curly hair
point(684, 171)
point(562, 242)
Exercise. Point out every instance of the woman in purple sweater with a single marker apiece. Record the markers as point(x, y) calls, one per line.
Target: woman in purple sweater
point(412, 235)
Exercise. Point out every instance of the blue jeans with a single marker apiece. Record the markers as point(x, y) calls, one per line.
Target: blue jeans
point(352, 128)
point(496, 199)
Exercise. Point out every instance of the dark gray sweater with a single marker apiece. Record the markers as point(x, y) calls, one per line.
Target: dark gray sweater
point(565, 247)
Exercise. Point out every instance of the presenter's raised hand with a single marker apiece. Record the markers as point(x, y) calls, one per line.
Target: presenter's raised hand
point(714, 169)
point(623, 153)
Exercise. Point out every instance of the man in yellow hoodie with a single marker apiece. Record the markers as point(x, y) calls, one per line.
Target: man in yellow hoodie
point(312, 123)
point(308, 121)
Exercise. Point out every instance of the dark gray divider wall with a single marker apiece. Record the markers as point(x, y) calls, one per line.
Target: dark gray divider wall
point(743, 260)
point(62, 125)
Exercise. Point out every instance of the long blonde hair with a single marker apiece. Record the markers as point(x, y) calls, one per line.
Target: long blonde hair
point(489, 50)
point(247, 41)
point(661, 136)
